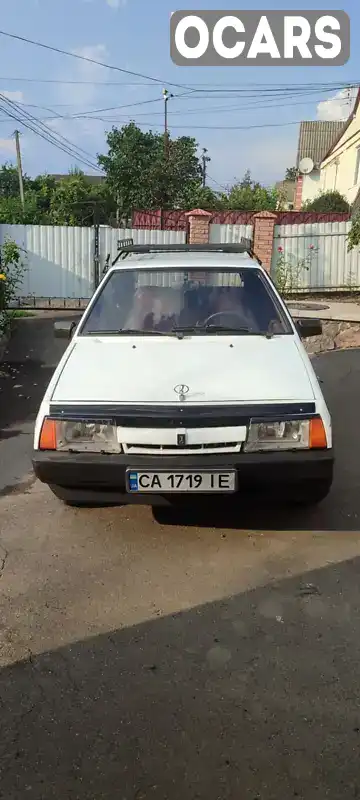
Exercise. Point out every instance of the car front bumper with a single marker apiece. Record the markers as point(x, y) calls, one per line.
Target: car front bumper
point(104, 476)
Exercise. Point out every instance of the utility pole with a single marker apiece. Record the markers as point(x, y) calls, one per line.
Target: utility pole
point(205, 161)
point(167, 97)
point(19, 165)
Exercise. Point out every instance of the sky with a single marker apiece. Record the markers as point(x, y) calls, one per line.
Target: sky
point(134, 35)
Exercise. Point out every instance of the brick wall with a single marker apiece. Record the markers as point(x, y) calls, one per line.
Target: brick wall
point(298, 193)
point(264, 224)
point(199, 225)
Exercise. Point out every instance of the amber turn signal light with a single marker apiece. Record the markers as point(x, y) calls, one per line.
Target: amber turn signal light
point(318, 438)
point(48, 435)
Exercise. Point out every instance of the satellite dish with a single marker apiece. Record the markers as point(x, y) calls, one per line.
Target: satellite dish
point(306, 166)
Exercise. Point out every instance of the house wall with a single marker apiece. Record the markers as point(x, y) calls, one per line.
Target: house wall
point(307, 188)
point(311, 186)
point(338, 170)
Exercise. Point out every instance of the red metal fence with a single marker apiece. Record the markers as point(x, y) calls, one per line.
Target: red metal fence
point(177, 220)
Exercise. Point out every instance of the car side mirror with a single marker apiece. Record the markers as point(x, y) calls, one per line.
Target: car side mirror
point(309, 327)
point(64, 329)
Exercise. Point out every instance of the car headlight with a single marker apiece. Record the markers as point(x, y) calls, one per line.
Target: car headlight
point(286, 435)
point(79, 436)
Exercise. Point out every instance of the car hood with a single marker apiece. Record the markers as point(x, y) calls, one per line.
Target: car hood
point(217, 369)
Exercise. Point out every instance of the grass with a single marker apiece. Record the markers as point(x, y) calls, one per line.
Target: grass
point(16, 313)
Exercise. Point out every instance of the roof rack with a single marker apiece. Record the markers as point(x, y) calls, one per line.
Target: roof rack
point(243, 246)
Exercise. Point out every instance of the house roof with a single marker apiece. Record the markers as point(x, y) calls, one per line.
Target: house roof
point(90, 178)
point(316, 138)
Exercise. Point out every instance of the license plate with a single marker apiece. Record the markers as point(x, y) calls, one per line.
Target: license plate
point(181, 482)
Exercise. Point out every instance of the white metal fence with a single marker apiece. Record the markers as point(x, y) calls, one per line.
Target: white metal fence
point(59, 261)
point(60, 264)
point(109, 238)
point(230, 234)
point(315, 256)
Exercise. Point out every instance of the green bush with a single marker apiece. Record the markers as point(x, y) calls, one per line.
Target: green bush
point(288, 273)
point(12, 272)
point(327, 202)
point(354, 235)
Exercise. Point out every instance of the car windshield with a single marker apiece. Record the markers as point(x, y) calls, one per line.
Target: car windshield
point(169, 302)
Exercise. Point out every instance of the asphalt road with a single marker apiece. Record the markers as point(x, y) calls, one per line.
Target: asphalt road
point(210, 658)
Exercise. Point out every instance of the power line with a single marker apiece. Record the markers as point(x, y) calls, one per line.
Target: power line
point(214, 127)
point(127, 105)
point(45, 128)
point(221, 87)
point(149, 124)
point(115, 108)
point(44, 132)
point(221, 185)
point(40, 126)
point(90, 60)
point(256, 105)
point(76, 83)
point(226, 109)
point(111, 66)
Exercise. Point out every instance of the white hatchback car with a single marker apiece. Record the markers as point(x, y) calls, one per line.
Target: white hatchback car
point(185, 377)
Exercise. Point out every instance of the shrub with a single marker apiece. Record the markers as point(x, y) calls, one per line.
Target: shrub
point(288, 273)
point(354, 235)
point(12, 272)
point(327, 202)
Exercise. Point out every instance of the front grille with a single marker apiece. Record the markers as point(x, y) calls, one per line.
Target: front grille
point(172, 450)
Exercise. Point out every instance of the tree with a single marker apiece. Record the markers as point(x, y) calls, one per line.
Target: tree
point(327, 202)
point(291, 174)
point(204, 197)
point(9, 181)
point(75, 201)
point(42, 188)
point(249, 195)
point(142, 174)
point(12, 212)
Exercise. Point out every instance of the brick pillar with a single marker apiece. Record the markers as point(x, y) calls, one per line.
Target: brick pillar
point(199, 223)
point(264, 223)
point(298, 193)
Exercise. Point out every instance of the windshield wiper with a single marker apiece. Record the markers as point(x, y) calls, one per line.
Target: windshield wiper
point(210, 329)
point(235, 331)
point(129, 332)
point(240, 331)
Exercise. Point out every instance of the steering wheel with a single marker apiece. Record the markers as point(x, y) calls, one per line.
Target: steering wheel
point(223, 314)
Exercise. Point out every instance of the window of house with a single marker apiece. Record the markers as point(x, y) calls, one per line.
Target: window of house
point(357, 167)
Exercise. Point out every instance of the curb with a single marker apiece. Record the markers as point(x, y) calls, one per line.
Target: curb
point(4, 340)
